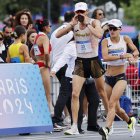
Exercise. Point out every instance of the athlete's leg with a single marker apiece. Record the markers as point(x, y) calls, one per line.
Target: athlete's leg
point(117, 91)
point(101, 90)
point(77, 84)
point(47, 83)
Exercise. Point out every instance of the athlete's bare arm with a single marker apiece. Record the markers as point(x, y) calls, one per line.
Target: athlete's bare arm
point(131, 45)
point(8, 57)
point(68, 28)
point(45, 41)
point(25, 50)
point(95, 28)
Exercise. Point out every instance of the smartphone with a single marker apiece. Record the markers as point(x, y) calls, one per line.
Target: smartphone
point(80, 18)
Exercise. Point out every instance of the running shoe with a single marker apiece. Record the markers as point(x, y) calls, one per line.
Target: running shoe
point(67, 120)
point(72, 131)
point(57, 128)
point(131, 126)
point(104, 132)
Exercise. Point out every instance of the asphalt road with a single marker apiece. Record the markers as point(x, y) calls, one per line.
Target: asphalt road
point(120, 133)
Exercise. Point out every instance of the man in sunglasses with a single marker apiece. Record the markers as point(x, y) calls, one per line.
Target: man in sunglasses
point(87, 32)
point(114, 52)
point(7, 40)
point(7, 31)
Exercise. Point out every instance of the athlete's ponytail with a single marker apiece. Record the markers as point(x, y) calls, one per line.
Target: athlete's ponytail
point(40, 24)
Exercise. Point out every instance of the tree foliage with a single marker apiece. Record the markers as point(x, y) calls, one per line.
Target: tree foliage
point(41, 6)
point(132, 14)
point(116, 2)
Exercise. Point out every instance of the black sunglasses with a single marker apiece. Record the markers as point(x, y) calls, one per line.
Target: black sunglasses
point(113, 28)
point(100, 14)
point(80, 11)
point(1, 39)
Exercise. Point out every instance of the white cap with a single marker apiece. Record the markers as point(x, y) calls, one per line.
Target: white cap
point(115, 22)
point(81, 6)
point(104, 22)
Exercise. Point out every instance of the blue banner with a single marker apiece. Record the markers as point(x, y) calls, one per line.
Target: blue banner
point(23, 104)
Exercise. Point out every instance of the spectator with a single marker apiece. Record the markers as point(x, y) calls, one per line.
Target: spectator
point(8, 40)
point(2, 48)
point(98, 14)
point(31, 35)
point(58, 46)
point(24, 19)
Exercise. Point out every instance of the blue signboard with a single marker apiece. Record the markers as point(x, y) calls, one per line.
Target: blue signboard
point(23, 104)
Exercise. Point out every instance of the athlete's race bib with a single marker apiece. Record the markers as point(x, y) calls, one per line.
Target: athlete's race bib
point(15, 60)
point(36, 50)
point(83, 46)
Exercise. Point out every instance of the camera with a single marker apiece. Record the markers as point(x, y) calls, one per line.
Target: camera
point(80, 18)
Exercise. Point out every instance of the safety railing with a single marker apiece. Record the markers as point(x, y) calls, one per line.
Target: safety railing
point(132, 89)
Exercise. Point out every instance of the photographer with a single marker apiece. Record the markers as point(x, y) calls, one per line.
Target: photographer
point(87, 32)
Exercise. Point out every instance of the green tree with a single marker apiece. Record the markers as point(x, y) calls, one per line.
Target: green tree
point(132, 14)
point(116, 2)
point(36, 6)
point(40, 6)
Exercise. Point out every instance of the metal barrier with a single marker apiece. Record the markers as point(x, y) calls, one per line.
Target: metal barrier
point(132, 89)
point(133, 83)
point(54, 89)
point(133, 86)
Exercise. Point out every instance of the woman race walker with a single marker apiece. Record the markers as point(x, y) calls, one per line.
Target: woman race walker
point(40, 52)
point(114, 51)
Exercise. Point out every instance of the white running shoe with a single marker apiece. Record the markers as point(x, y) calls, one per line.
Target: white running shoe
point(131, 126)
point(72, 131)
point(67, 120)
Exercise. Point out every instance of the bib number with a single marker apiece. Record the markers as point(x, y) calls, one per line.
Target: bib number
point(36, 50)
point(84, 46)
point(15, 60)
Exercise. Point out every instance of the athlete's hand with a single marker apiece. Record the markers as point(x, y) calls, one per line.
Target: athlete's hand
point(86, 19)
point(52, 73)
point(32, 61)
point(127, 55)
point(132, 60)
point(74, 20)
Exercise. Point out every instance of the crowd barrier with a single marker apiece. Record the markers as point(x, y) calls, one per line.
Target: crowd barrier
point(23, 104)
